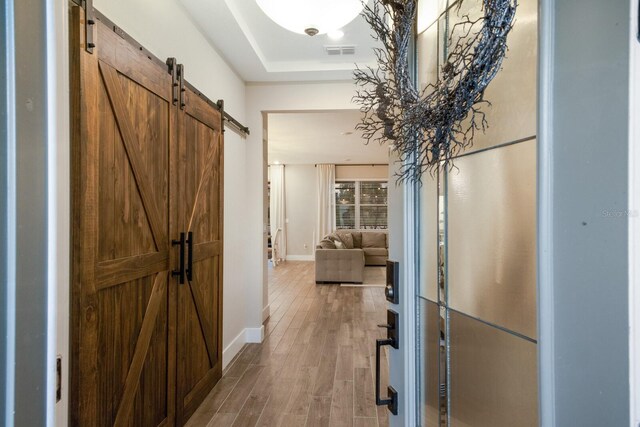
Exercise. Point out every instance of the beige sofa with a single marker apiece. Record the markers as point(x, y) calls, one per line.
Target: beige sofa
point(342, 256)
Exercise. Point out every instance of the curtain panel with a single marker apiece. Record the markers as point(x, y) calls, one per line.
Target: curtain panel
point(325, 185)
point(277, 214)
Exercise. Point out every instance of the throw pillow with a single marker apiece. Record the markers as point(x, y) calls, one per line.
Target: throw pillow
point(347, 239)
point(335, 236)
point(327, 244)
point(357, 239)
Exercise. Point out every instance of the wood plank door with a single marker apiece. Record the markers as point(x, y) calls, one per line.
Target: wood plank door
point(123, 341)
point(199, 352)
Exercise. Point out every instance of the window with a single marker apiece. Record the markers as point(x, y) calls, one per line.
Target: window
point(361, 205)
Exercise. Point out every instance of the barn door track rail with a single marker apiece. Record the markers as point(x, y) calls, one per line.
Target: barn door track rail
point(93, 14)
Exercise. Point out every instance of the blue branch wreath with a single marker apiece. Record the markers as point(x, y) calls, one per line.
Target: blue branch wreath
point(428, 128)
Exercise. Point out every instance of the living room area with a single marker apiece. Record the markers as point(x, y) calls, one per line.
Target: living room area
point(327, 198)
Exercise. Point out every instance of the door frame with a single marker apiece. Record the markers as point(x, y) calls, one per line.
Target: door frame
point(583, 224)
point(26, 372)
point(634, 215)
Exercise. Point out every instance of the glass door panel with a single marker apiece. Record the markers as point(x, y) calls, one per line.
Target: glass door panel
point(476, 342)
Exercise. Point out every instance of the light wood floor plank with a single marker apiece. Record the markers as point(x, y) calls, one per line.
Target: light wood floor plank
point(319, 411)
point(342, 404)
point(315, 366)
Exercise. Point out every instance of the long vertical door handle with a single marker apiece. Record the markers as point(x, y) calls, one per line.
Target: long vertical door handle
point(180, 271)
point(190, 257)
point(392, 401)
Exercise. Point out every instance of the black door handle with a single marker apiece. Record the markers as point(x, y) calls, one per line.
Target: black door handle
point(392, 401)
point(180, 271)
point(392, 339)
point(190, 257)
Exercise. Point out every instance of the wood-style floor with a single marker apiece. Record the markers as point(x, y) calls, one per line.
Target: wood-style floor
point(316, 365)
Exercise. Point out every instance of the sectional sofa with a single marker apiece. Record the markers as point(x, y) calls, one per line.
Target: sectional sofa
point(341, 256)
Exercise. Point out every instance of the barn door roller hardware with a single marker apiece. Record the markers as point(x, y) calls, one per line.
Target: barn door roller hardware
point(173, 65)
point(229, 119)
point(89, 25)
point(180, 73)
point(179, 85)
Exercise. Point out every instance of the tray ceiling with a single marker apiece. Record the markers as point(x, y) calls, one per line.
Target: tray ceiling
point(259, 50)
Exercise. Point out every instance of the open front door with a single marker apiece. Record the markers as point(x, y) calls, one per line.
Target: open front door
point(199, 352)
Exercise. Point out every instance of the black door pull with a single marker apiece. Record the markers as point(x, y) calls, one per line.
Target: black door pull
point(190, 257)
point(392, 339)
point(391, 402)
point(180, 271)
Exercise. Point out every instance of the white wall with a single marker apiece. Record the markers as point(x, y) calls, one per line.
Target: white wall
point(301, 210)
point(155, 26)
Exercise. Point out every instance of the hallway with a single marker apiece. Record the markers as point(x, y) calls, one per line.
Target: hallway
point(316, 364)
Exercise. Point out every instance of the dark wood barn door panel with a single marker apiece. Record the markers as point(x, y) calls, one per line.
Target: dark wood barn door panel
point(199, 352)
point(147, 166)
point(123, 341)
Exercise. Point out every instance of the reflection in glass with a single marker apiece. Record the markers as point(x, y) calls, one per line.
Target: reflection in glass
point(373, 193)
point(345, 217)
point(430, 339)
point(442, 272)
point(345, 193)
point(373, 217)
point(443, 352)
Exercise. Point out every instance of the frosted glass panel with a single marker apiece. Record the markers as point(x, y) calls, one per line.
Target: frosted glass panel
point(493, 376)
point(429, 11)
point(428, 54)
point(429, 238)
point(513, 92)
point(492, 236)
point(432, 349)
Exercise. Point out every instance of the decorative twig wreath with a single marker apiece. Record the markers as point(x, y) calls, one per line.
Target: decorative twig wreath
point(429, 128)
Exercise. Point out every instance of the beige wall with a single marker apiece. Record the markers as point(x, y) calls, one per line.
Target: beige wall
point(362, 172)
point(301, 210)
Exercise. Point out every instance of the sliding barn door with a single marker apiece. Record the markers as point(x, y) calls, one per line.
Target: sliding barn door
point(147, 169)
point(123, 344)
point(199, 352)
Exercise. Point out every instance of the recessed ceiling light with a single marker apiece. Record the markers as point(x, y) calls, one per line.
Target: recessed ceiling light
point(347, 160)
point(275, 162)
point(336, 34)
point(346, 133)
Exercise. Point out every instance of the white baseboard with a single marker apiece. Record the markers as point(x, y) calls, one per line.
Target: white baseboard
point(233, 348)
point(247, 335)
point(254, 334)
point(300, 258)
point(266, 312)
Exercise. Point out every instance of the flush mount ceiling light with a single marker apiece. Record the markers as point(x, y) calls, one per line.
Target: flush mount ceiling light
point(311, 16)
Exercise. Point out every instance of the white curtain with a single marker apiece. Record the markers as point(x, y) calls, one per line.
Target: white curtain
point(325, 185)
point(277, 212)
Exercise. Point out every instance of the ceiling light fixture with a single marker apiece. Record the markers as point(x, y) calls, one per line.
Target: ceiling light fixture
point(311, 16)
